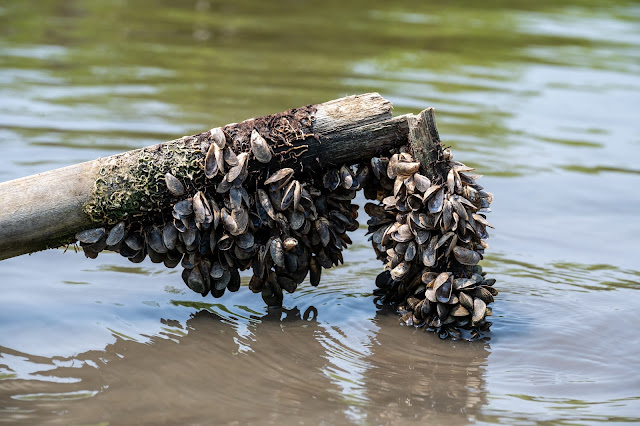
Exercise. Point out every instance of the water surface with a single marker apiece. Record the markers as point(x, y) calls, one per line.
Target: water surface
point(542, 99)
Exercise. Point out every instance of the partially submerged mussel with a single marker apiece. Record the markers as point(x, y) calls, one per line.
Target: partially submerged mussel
point(431, 237)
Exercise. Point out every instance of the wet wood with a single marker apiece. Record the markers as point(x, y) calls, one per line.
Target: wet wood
point(425, 144)
point(46, 210)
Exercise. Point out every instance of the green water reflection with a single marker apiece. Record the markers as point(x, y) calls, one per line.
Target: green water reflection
point(541, 97)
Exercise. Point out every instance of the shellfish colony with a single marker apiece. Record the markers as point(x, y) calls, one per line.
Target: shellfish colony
point(431, 237)
point(285, 225)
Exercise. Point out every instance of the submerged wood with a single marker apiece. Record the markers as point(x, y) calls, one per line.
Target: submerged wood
point(46, 210)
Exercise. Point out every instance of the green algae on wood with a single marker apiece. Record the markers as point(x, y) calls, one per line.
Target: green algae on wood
point(133, 183)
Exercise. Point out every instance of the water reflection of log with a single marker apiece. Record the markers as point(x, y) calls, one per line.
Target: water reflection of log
point(264, 373)
point(269, 369)
point(416, 377)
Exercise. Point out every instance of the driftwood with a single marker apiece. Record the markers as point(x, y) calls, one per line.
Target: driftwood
point(46, 210)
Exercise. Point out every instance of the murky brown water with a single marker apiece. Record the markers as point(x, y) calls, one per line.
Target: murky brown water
point(543, 99)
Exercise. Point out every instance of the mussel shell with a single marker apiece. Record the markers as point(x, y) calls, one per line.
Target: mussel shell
point(447, 216)
point(216, 270)
point(90, 236)
point(441, 279)
point(218, 137)
point(322, 228)
point(479, 309)
point(422, 183)
point(228, 221)
point(331, 179)
point(221, 283)
point(195, 281)
point(466, 300)
point(435, 202)
point(239, 168)
point(429, 253)
point(400, 271)
point(241, 218)
point(451, 181)
point(202, 210)
point(155, 240)
point(346, 177)
point(406, 169)
point(139, 256)
point(362, 177)
point(414, 202)
point(174, 185)
point(211, 163)
point(126, 251)
point(184, 207)
point(422, 236)
point(323, 259)
point(180, 225)
point(480, 218)
point(291, 262)
point(403, 234)
point(483, 294)
point(272, 294)
point(230, 158)
point(443, 310)
point(287, 284)
point(297, 194)
point(91, 251)
point(256, 284)
point(245, 241)
point(134, 241)
point(277, 252)
point(443, 239)
point(265, 203)
point(170, 236)
point(260, 148)
point(234, 280)
point(154, 256)
point(218, 157)
point(188, 237)
point(296, 220)
point(116, 234)
point(459, 208)
point(443, 292)
point(428, 276)
point(279, 178)
point(466, 256)
point(288, 195)
point(290, 243)
point(225, 242)
point(488, 282)
point(172, 259)
point(463, 283)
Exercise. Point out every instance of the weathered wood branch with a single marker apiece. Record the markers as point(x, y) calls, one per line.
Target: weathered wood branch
point(425, 144)
point(47, 209)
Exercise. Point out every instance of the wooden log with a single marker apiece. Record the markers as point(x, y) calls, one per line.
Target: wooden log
point(47, 209)
point(425, 144)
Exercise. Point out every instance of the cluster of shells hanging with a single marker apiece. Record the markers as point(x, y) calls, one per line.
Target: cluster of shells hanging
point(285, 225)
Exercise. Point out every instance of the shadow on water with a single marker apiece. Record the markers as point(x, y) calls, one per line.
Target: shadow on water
point(285, 365)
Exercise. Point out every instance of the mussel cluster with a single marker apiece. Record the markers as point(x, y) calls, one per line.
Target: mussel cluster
point(431, 236)
point(285, 229)
point(285, 224)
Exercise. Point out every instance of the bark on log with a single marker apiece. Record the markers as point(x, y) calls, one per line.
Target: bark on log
point(47, 209)
point(425, 144)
